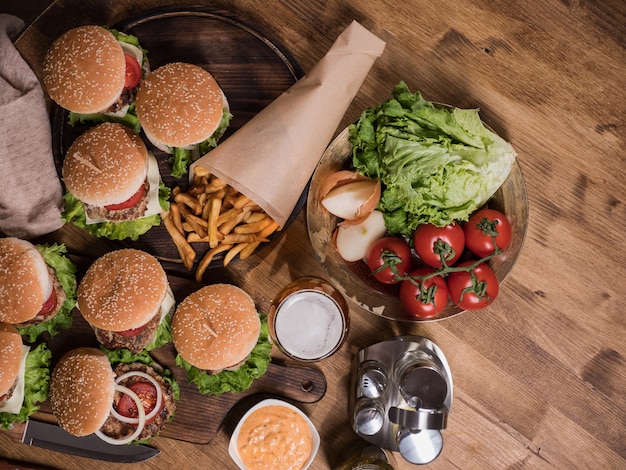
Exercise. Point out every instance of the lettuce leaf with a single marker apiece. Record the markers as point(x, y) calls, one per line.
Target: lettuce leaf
point(237, 380)
point(74, 212)
point(36, 385)
point(54, 256)
point(130, 39)
point(181, 158)
point(436, 164)
point(130, 119)
point(163, 334)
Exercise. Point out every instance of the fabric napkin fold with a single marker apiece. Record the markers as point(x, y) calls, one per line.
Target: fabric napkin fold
point(31, 197)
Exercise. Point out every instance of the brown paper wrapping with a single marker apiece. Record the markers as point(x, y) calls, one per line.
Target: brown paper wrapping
point(272, 157)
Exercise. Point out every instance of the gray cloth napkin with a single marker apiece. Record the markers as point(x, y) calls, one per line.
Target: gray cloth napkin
point(31, 196)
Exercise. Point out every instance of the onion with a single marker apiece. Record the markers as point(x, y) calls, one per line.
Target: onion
point(349, 195)
point(142, 419)
point(159, 400)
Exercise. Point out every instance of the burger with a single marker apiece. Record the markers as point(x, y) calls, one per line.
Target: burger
point(220, 339)
point(126, 298)
point(37, 287)
point(119, 403)
point(94, 73)
point(182, 111)
point(113, 184)
point(24, 377)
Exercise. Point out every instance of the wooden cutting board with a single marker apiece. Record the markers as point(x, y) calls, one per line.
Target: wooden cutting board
point(199, 417)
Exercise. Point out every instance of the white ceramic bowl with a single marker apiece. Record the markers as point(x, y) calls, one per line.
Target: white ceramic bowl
point(233, 449)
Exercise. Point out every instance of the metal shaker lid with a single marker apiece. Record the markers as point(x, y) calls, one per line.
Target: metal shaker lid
point(420, 447)
point(368, 418)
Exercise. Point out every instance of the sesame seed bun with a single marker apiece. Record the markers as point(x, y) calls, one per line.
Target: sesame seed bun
point(11, 354)
point(82, 387)
point(179, 105)
point(216, 327)
point(105, 165)
point(84, 70)
point(25, 282)
point(122, 290)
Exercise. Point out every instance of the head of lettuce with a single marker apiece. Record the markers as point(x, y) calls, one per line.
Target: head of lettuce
point(437, 164)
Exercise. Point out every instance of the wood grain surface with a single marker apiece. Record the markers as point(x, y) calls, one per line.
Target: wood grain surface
point(539, 376)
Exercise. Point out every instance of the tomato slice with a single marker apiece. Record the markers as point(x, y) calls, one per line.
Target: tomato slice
point(147, 394)
point(133, 72)
point(132, 201)
point(49, 305)
point(132, 332)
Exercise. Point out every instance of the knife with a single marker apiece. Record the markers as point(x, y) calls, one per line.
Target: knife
point(53, 437)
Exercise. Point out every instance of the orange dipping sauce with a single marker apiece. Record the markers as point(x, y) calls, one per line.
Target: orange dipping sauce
point(274, 437)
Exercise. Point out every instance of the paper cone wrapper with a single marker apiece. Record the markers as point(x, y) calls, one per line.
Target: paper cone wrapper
point(272, 157)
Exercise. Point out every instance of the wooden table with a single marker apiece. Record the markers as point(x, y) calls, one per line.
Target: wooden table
point(540, 376)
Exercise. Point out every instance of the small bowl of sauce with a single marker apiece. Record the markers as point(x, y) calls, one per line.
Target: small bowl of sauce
point(309, 319)
point(274, 434)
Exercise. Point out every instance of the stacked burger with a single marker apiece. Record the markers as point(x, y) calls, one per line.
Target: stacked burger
point(113, 184)
point(221, 340)
point(126, 298)
point(24, 377)
point(94, 73)
point(183, 112)
point(37, 287)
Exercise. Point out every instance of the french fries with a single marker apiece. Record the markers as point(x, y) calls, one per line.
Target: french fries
point(212, 212)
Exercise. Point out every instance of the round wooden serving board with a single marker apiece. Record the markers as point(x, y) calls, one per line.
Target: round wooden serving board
point(251, 69)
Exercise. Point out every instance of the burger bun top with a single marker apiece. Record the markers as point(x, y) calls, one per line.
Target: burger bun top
point(25, 282)
point(11, 353)
point(105, 165)
point(179, 105)
point(82, 387)
point(122, 290)
point(216, 327)
point(84, 70)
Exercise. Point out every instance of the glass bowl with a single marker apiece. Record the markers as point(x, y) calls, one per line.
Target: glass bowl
point(353, 279)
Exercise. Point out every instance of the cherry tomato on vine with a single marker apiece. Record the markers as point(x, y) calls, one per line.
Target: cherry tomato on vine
point(481, 228)
point(432, 242)
point(386, 255)
point(473, 292)
point(424, 298)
